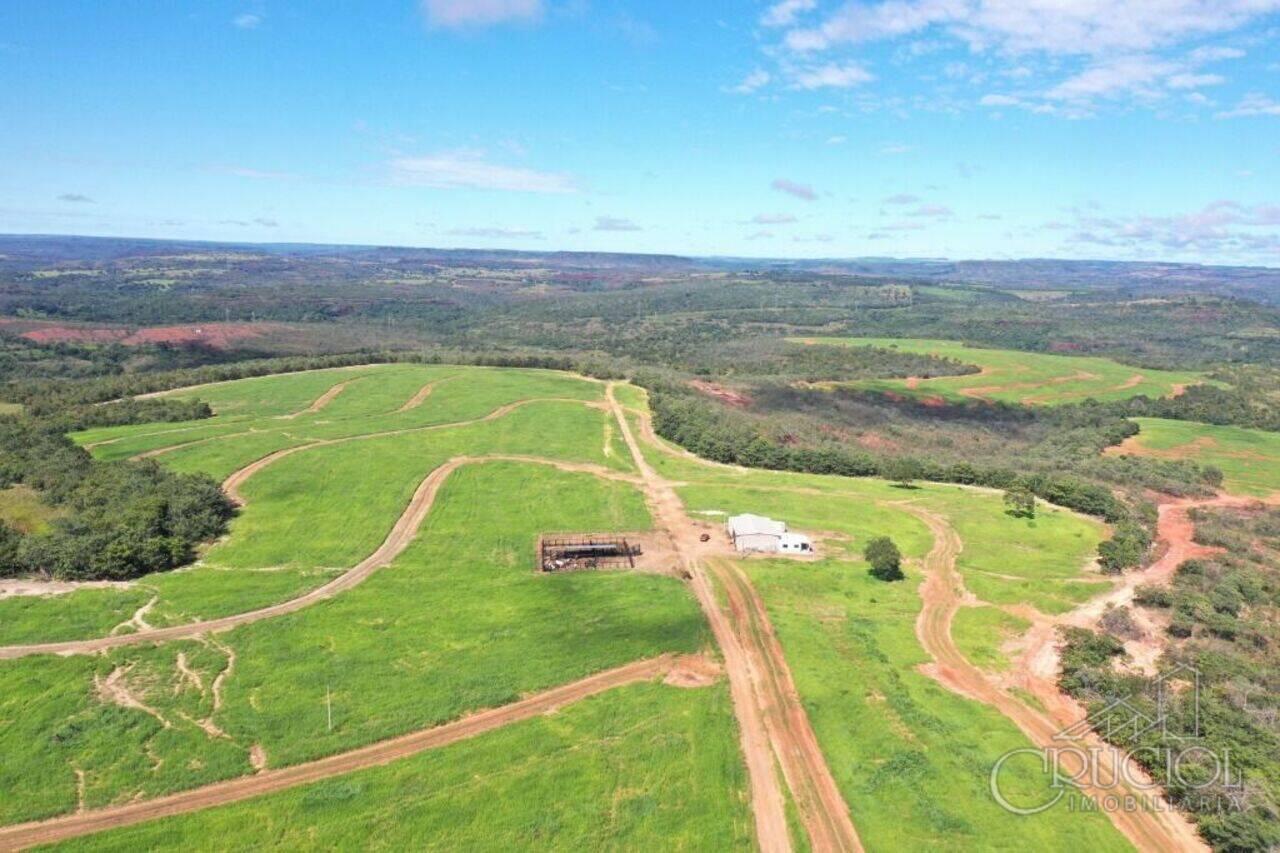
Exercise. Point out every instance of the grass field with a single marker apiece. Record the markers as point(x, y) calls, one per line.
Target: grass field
point(297, 530)
point(461, 621)
point(1248, 458)
point(22, 509)
point(1020, 377)
point(640, 768)
point(909, 756)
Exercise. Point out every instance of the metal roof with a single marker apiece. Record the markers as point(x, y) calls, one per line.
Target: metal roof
point(748, 524)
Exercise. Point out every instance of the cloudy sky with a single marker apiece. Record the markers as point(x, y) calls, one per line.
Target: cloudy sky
point(957, 128)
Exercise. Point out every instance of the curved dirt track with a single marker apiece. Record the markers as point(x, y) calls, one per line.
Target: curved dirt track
point(943, 592)
point(773, 725)
point(21, 836)
point(402, 533)
point(423, 393)
point(320, 402)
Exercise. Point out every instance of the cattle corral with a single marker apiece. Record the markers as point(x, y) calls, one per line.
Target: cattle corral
point(569, 552)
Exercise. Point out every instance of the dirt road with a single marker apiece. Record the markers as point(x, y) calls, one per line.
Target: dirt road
point(320, 402)
point(813, 788)
point(773, 725)
point(943, 592)
point(21, 836)
point(402, 533)
point(423, 393)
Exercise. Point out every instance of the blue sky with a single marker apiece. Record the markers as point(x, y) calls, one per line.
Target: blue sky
point(810, 128)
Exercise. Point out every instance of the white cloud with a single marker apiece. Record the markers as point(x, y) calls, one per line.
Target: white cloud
point(1195, 81)
point(76, 198)
point(497, 233)
point(1108, 49)
point(895, 148)
point(1068, 27)
point(785, 12)
point(751, 82)
point(614, 223)
point(1252, 104)
point(455, 170)
point(902, 198)
point(256, 174)
point(1211, 53)
point(832, 75)
point(932, 211)
point(479, 13)
point(1140, 75)
point(247, 21)
point(838, 139)
point(773, 218)
point(1221, 228)
point(802, 191)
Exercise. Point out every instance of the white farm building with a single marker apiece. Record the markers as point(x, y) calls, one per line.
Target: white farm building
point(757, 533)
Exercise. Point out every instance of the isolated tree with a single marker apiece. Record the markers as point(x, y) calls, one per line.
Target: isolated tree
point(885, 559)
point(1020, 501)
point(902, 470)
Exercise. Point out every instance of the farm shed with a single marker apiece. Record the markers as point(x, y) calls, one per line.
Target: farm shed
point(758, 533)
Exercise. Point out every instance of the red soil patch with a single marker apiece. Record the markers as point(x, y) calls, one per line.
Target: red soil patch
point(872, 441)
point(69, 334)
point(216, 335)
point(934, 402)
point(725, 395)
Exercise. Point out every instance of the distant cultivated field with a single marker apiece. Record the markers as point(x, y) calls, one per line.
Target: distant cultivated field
point(1012, 376)
point(1248, 458)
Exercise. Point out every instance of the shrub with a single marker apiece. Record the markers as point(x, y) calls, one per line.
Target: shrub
point(885, 559)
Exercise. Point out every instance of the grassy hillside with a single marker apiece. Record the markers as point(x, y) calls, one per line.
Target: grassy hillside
point(1022, 377)
point(1248, 458)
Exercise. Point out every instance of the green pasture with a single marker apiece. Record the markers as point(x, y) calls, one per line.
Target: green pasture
point(1013, 376)
point(315, 513)
point(1248, 458)
point(980, 632)
point(460, 621)
point(646, 767)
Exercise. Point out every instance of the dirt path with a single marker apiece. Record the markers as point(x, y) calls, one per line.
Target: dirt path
point(772, 723)
point(423, 393)
point(402, 533)
point(500, 412)
point(943, 593)
point(813, 788)
point(267, 781)
point(320, 402)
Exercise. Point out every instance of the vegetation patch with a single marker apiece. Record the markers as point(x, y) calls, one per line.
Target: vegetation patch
point(1249, 459)
point(1021, 377)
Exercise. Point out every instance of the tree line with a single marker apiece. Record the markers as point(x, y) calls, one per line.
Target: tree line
point(121, 520)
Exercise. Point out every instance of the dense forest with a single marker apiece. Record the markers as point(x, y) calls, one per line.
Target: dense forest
point(120, 520)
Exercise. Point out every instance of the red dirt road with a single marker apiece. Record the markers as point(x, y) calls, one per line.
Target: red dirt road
point(943, 592)
point(773, 725)
point(21, 836)
point(813, 788)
